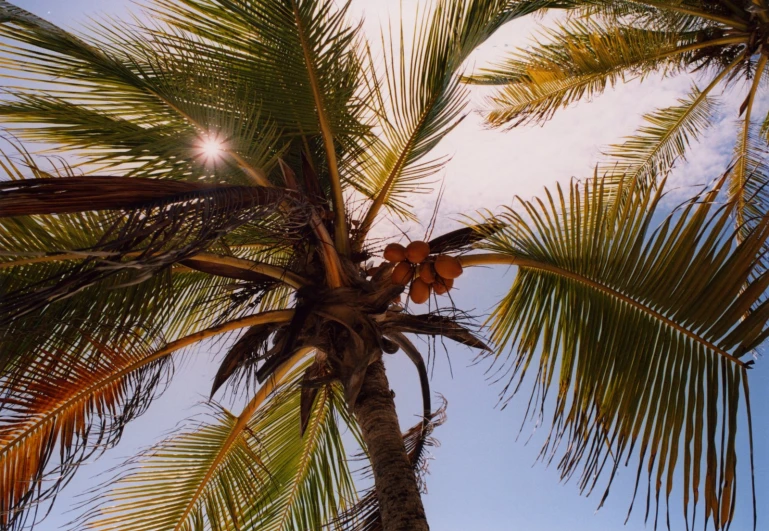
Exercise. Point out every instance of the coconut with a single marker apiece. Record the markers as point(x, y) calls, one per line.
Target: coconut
point(395, 252)
point(443, 285)
point(419, 291)
point(427, 272)
point(402, 273)
point(416, 252)
point(370, 272)
point(447, 267)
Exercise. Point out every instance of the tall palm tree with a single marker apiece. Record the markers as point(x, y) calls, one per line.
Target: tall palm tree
point(602, 43)
point(237, 154)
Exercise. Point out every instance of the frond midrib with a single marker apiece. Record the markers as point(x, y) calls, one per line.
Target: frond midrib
point(305, 461)
point(529, 263)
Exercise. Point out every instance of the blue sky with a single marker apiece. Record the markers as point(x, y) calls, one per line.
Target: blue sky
point(480, 478)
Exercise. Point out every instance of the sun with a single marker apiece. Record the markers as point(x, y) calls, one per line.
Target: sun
point(212, 148)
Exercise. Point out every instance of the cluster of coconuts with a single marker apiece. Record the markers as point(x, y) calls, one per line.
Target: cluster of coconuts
point(425, 273)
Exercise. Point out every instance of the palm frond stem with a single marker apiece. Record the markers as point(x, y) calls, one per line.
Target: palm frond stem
point(327, 251)
point(279, 273)
point(287, 277)
point(381, 197)
point(502, 259)
point(340, 215)
point(689, 10)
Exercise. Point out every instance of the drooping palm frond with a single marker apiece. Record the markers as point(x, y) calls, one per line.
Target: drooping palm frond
point(64, 195)
point(246, 472)
point(73, 403)
point(579, 60)
point(42, 251)
point(61, 411)
point(650, 154)
point(642, 332)
point(423, 98)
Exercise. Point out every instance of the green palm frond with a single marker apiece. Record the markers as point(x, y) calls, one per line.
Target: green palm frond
point(665, 138)
point(643, 333)
point(579, 60)
point(423, 98)
point(254, 472)
point(748, 179)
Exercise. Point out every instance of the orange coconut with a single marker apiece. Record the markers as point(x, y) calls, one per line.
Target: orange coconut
point(395, 252)
point(416, 252)
point(402, 273)
point(447, 266)
point(427, 272)
point(443, 285)
point(419, 291)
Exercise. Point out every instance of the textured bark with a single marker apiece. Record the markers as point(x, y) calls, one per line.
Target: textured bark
point(400, 502)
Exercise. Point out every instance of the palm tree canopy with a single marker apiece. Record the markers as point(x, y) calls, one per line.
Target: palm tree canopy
point(221, 148)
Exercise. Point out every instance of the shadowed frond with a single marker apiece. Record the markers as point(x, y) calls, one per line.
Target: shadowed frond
point(151, 238)
point(650, 154)
point(63, 195)
point(63, 409)
point(249, 472)
point(579, 60)
point(79, 405)
point(642, 332)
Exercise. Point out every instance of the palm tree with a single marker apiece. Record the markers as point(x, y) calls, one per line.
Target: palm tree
point(603, 43)
point(236, 155)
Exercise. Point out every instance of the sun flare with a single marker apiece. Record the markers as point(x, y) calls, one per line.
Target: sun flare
point(212, 148)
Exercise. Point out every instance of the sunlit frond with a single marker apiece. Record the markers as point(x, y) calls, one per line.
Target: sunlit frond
point(650, 154)
point(423, 97)
point(63, 409)
point(130, 104)
point(579, 60)
point(642, 333)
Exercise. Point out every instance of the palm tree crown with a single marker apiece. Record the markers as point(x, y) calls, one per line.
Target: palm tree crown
point(221, 148)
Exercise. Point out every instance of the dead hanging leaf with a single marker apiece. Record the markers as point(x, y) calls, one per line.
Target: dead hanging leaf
point(461, 238)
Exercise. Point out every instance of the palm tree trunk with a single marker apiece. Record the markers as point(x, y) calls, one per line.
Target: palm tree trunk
point(400, 503)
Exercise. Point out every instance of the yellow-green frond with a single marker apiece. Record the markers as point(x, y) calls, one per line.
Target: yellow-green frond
point(579, 60)
point(224, 474)
point(665, 137)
